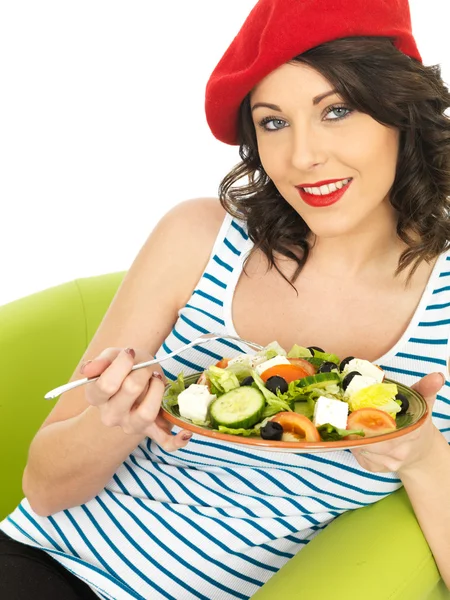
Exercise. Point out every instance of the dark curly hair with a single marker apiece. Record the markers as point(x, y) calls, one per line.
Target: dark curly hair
point(375, 78)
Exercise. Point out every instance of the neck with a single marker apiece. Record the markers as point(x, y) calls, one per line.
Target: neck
point(371, 250)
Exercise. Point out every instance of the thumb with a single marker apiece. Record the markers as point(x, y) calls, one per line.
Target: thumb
point(429, 386)
point(96, 366)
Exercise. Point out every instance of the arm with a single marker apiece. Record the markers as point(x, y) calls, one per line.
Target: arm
point(422, 461)
point(428, 488)
point(74, 454)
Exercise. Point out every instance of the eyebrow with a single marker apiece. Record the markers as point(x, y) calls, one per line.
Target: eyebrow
point(316, 101)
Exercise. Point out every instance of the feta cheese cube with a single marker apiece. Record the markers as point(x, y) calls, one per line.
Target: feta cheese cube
point(273, 362)
point(194, 401)
point(334, 412)
point(358, 382)
point(366, 368)
point(247, 360)
point(241, 359)
point(257, 360)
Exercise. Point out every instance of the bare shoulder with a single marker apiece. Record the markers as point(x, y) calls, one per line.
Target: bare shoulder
point(191, 218)
point(158, 283)
point(170, 263)
point(183, 240)
point(200, 208)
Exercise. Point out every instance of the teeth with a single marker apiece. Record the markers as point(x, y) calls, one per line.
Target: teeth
point(327, 189)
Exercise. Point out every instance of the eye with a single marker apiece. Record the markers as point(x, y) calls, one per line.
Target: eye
point(335, 109)
point(277, 124)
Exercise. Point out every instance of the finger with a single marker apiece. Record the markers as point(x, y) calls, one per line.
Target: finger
point(163, 423)
point(96, 366)
point(168, 441)
point(112, 377)
point(429, 386)
point(371, 462)
point(147, 410)
point(117, 410)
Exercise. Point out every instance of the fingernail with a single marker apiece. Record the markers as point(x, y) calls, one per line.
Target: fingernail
point(157, 375)
point(83, 365)
point(131, 352)
point(444, 379)
point(186, 436)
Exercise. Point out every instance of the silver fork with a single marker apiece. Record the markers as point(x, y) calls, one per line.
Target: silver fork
point(202, 339)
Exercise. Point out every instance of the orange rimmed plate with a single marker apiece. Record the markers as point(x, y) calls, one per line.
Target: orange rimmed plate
point(414, 418)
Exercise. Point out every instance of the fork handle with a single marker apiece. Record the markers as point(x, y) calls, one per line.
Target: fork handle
point(74, 384)
point(79, 382)
point(68, 386)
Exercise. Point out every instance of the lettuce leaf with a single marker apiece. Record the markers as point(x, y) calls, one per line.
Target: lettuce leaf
point(332, 391)
point(244, 432)
point(299, 352)
point(271, 350)
point(296, 393)
point(174, 390)
point(330, 433)
point(316, 360)
point(222, 380)
point(274, 349)
point(240, 369)
point(275, 404)
point(261, 424)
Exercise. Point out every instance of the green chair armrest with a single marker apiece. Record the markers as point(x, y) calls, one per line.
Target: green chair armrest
point(43, 337)
point(373, 553)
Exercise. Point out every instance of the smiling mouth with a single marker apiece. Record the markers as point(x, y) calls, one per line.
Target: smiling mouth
point(321, 200)
point(326, 190)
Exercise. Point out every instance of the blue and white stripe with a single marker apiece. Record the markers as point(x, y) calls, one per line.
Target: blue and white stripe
point(213, 520)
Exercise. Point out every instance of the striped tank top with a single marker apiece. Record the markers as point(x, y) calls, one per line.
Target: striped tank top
point(212, 520)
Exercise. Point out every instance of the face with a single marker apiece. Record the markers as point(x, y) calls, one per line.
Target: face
point(304, 140)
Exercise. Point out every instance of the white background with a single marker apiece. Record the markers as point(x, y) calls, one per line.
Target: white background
point(102, 126)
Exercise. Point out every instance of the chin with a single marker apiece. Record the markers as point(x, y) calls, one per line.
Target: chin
point(330, 227)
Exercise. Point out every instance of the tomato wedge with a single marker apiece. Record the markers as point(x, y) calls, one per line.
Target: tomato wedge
point(372, 421)
point(287, 372)
point(223, 363)
point(298, 426)
point(301, 362)
point(203, 380)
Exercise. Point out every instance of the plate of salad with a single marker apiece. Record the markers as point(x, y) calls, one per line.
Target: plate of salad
point(304, 400)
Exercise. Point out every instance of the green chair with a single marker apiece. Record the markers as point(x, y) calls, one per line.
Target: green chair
point(373, 553)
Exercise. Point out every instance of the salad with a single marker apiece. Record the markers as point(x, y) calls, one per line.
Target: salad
point(304, 395)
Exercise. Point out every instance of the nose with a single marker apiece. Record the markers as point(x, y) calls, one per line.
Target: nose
point(308, 149)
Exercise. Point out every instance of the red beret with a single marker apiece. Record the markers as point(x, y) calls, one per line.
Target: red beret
point(278, 30)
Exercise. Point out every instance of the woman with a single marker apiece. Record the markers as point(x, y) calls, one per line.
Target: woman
point(117, 505)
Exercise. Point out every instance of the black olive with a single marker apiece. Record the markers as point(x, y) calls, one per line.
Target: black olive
point(348, 378)
point(345, 362)
point(247, 381)
point(271, 431)
point(327, 367)
point(277, 383)
point(312, 348)
point(405, 403)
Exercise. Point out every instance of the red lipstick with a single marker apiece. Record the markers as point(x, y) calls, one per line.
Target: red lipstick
point(326, 200)
point(319, 183)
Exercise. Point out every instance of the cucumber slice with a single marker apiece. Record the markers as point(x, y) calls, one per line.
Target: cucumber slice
point(239, 409)
point(320, 380)
point(304, 408)
point(316, 362)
